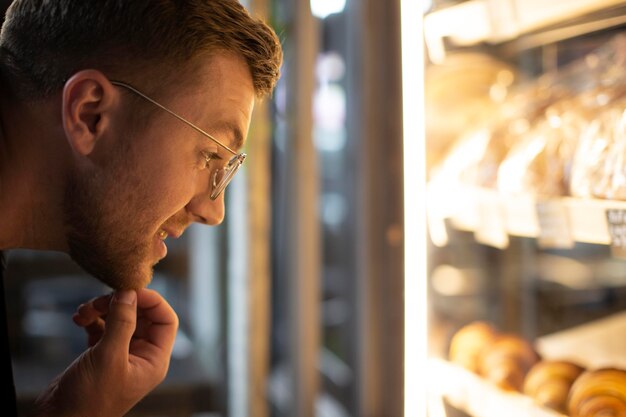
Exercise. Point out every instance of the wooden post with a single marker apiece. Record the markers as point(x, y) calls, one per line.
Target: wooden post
point(259, 224)
point(301, 222)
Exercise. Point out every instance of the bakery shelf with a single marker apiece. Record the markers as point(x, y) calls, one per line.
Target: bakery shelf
point(555, 222)
point(476, 396)
point(596, 344)
point(495, 21)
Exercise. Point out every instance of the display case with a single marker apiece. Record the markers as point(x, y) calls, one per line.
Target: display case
point(525, 135)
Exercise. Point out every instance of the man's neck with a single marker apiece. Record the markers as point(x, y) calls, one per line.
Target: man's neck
point(30, 182)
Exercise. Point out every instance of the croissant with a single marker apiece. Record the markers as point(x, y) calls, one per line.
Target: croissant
point(599, 393)
point(507, 361)
point(549, 383)
point(468, 342)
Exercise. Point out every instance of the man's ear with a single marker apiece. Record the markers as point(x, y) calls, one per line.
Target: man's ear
point(88, 97)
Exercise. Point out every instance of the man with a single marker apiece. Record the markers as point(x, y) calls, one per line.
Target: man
point(121, 124)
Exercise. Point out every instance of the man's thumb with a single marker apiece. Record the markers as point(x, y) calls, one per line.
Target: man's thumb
point(121, 319)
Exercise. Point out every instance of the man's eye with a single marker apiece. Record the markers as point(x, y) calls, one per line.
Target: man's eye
point(207, 157)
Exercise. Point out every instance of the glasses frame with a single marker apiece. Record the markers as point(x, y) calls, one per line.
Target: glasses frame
point(225, 173)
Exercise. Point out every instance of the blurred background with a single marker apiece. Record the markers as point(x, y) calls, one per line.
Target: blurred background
point(298, 305)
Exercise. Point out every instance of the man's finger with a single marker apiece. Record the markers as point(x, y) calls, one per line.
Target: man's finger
point(94, 332)
point(121, 321)
point(164, 321)
point(92, 310)
point(151, 305)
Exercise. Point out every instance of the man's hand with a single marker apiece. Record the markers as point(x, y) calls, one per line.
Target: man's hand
point(130, 338)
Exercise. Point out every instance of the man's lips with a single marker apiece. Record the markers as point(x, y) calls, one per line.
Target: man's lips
point(164, 233)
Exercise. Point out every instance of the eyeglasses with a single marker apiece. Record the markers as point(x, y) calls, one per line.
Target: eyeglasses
point(222, 176)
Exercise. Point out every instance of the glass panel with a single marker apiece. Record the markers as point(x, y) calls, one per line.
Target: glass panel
point(525, 262)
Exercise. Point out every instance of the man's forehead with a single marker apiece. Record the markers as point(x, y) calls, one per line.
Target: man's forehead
point(224, 85)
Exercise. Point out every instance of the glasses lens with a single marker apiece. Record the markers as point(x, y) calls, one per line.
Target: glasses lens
point(222, 177)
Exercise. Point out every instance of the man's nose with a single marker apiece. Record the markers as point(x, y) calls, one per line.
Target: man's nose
point(207, 211)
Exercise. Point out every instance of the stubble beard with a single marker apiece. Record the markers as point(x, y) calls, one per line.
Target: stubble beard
point(106, 233)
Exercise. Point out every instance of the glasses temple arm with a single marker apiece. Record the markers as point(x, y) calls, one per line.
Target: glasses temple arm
point(188, 123)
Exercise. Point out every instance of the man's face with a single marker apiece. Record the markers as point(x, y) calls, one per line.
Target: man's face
point(155, 182)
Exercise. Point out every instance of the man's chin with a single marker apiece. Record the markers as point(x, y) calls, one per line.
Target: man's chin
point(132, 279)
point(120, 277)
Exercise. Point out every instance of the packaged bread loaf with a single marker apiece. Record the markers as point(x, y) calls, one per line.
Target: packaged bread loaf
point(539, 163)
point(598, 165)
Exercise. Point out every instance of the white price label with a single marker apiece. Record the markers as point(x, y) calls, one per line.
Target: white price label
point(616, 222)
point(554, 225)
point(491, 228)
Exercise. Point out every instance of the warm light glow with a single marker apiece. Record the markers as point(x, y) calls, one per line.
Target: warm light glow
point(467, 23)
point(415, 315)
point(324, 8)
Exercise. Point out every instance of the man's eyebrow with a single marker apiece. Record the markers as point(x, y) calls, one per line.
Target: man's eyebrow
point(234, 134)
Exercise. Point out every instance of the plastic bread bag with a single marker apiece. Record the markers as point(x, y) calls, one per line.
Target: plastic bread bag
point(473, 159)
point(540, 163)
point(613, 183)
point(599, 168)
point(561, 151)
point(510, 125)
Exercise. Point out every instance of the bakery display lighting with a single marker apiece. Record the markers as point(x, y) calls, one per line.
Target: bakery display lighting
point(415, 282)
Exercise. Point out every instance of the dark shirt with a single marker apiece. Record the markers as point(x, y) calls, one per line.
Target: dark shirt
point(8, 387)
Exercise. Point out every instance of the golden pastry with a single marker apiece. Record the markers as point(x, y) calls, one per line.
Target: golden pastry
point(467, 344)
point(507, 361)
point(549, 381)
point(599, 393)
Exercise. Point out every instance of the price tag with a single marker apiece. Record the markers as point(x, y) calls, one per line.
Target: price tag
point(554, 229)
point(616, 221)
point(491, 228)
